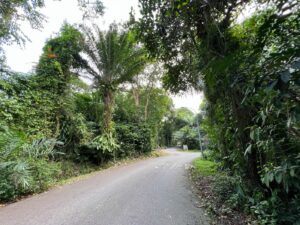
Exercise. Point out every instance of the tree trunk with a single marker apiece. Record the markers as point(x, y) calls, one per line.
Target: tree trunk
point(148, 93)
point(243, 116)
point(136, 96)
point(146, 108)
point(108, 100)
point(57, 126)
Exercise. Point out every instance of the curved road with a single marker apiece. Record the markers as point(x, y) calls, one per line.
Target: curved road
point(147, 192)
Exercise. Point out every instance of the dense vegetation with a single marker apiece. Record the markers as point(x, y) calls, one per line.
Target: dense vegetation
point(182, 127)
point(249, 72)
point(248, 68)
point(53, 125)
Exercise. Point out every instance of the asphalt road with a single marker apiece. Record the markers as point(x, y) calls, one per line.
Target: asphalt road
point(147, 192)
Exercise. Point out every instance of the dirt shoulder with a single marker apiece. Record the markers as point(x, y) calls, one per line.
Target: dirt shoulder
point(206, 184)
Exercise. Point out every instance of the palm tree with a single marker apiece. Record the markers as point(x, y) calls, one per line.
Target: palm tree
point(113, 58)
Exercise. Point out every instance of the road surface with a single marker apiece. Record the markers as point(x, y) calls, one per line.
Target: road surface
point(147, 192)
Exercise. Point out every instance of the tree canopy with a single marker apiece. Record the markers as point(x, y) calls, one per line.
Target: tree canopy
point(54, 124)
point(249, 73)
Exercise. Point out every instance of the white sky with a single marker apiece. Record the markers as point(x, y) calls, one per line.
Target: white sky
point(188, 100)
point(57, 12)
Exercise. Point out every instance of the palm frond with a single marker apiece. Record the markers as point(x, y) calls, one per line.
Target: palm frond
point(41, 148)
point(113, 56)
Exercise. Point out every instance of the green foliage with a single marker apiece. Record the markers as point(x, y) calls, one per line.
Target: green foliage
point(25, 167)
point(126, 109)
point(250, 77)
point(89, 105)
point(105, 143)
point(181, 128)
point(18, 93)
point(183, 117)
point(19, 10)
point(204, 167)
point(166, 133)
point(154, 106)
point(56, 78)
point(176, 31)
point(134, 139)
point(60, 54)
point(224, 187)
point(70, 169)
point(113, 58)
point(54, 126)
point(187, 136)
point(13, 11)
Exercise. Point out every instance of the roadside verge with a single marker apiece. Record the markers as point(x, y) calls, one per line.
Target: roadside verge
point(216, 191)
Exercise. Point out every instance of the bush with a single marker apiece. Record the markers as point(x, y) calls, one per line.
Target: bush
point(224, 187)
point(26, 176)
point(129, 140)
point(134, 139)
point(25, 167)
point(101, 149)
point(43, 173)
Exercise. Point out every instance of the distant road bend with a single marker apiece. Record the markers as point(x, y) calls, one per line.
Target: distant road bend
point(147, 192)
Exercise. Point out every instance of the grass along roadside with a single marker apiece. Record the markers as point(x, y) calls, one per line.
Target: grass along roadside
point(217, 192)
point(204, 168)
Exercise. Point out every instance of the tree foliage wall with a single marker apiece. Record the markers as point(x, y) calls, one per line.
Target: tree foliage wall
point(249, 72)
point(51, 121)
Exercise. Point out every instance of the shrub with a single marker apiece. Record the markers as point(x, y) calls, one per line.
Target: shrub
point(224, 187)
point(25, 167)
point(101, 149)
point(43, 173)
point(134, 139)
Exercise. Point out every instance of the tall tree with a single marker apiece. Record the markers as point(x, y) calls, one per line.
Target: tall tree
point(56, 69)
point(114, 58)
point(147, 81)
point(12, 12)
point(250, 75)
